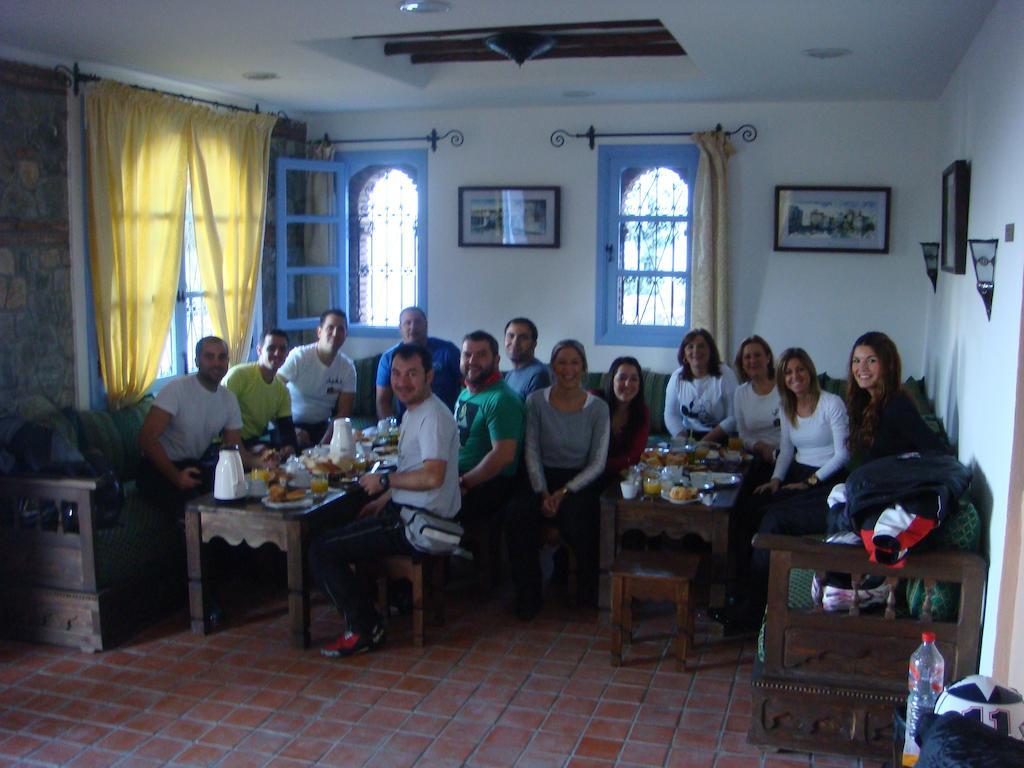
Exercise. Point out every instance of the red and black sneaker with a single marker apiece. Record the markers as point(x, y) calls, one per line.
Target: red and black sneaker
point(352, 643)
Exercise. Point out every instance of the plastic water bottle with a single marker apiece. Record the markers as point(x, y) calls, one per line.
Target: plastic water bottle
point(924, 683)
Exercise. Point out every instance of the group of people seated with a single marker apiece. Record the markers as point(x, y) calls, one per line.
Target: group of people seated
point(527, 448)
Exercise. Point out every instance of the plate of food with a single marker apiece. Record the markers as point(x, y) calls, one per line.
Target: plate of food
point(711, 480)
point(681, 494)
point(280, 497)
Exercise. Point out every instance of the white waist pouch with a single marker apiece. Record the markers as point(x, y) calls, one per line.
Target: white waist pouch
point(430, 533)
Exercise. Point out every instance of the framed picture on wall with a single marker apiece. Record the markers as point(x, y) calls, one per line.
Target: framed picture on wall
point(509, 217)
point(834, 219)
point(956, 195)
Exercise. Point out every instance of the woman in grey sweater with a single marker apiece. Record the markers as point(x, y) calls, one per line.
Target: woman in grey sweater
point(566, 446)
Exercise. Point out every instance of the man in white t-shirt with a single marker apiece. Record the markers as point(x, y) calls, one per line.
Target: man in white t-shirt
point(187, 415)
point(425, 484)
point(321, 380)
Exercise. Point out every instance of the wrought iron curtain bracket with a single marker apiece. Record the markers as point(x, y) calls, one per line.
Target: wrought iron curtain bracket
point(74, 77)
point(454, 136)
point(747, 132)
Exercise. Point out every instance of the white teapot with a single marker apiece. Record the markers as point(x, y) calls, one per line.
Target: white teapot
point(229, 477)
point(342, 440)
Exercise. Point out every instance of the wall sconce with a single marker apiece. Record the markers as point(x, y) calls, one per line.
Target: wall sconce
point(983, 254)
point(931, 262)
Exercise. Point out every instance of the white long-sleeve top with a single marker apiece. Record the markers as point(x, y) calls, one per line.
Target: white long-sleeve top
point(564, 440)
point(755, 418)
point(698, 405)
point(819, 440)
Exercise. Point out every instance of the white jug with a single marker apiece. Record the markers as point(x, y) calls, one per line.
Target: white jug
point(342, 440)
point(229, 477)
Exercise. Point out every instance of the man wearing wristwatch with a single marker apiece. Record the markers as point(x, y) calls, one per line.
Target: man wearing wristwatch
point(425, 481)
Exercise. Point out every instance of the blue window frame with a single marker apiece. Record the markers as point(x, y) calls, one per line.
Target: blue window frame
point(644, 243)
point(350, 234)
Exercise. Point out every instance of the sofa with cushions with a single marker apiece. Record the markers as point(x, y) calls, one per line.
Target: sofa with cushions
point(830, 682)
point(70, 578)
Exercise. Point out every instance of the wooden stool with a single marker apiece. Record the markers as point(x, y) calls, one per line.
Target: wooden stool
point(663, 576)
point(550, 535)
point(412, 567)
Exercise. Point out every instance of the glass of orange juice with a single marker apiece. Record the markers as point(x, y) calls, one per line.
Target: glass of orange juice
point(700, 453)
point(652, 484)
point(735, 443)
point(318, 484)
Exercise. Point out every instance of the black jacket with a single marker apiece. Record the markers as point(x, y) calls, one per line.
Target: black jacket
point(884, 482)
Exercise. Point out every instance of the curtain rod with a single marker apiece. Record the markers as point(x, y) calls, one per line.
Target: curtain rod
point(74, 77)
point(747, 132)
point(454, 136)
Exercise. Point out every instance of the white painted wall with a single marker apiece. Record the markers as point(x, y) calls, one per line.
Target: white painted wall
point(818, 301)
point(973, 365)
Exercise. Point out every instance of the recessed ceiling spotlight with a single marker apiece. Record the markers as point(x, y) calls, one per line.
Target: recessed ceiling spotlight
point(425, 6)
point(261, 75)
point(826, 53)
point(577, 94)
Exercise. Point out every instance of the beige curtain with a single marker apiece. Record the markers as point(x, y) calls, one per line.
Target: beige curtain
point(136, 153)
point(709, 292)
point(229, 158)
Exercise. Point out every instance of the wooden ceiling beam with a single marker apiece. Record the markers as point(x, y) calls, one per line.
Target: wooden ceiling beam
point(555, 53)
point(629, 24)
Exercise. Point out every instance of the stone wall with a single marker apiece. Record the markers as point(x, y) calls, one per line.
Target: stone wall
point(37, 367)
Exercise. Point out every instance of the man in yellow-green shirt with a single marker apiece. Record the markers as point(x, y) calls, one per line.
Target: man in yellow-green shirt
point(262, 396)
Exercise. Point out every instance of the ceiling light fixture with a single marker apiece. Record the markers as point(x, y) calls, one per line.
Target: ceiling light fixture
point(260, 75)
point(425, 6)
point(520, 46)
point(826, 53)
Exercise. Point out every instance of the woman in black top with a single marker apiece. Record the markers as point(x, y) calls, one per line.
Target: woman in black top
point(884, 421)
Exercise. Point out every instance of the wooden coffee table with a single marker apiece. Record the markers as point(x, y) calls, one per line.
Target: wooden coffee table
point(655, 516)
point(255, 524)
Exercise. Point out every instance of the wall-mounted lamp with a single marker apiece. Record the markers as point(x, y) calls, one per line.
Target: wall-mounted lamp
point(983, 254)
point(931, 262)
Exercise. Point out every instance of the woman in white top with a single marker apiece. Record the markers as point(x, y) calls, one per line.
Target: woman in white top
point(699, 393)
point(814, 430)
point(755, 404)
point(812, 455)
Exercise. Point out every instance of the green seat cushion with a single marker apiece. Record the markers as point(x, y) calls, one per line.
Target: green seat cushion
point(115, 435)
point(961, 531)
point(142, 536)
point(365, 406)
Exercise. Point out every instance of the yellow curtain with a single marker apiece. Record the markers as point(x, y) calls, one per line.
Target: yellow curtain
point(229, 158)
point(709, 292)
point(137, 151)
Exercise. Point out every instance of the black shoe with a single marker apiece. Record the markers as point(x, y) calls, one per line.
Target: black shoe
point(527, 607)
point(742, 618)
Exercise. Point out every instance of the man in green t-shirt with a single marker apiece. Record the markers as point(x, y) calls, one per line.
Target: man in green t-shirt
point(262, 396)
point(491, 419)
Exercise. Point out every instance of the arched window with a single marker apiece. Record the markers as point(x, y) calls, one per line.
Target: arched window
point(383, 256)
point(643, 285)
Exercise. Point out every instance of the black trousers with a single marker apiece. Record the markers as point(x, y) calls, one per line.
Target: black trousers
point(165, 495)
point(315, 429)
point(577, 520)
point(333, 552)
point(791, 513)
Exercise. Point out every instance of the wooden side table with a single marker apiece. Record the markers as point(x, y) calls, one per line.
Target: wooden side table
point(664, 576)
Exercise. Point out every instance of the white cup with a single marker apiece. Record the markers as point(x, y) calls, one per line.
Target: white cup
point(257, 488)
point(629, 489)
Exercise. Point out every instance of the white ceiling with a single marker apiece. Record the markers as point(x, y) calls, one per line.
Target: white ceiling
point(738, 50)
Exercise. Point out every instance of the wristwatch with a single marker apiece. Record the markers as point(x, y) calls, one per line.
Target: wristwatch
point(385, 481)
point(812, 480)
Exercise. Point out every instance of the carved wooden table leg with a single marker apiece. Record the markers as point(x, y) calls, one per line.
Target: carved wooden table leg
point(198, 599)
point(298, 584)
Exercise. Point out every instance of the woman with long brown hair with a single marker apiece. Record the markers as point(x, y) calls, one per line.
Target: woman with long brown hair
point(883, 418)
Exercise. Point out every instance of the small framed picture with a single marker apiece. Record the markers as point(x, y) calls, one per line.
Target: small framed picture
point(509, 217)
point(956, 195)
point(835, 219)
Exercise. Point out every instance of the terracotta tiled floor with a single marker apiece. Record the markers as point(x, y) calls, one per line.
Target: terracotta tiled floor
point(487, 690)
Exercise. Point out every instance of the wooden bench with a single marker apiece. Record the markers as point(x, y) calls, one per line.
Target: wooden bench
point(829, 682)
